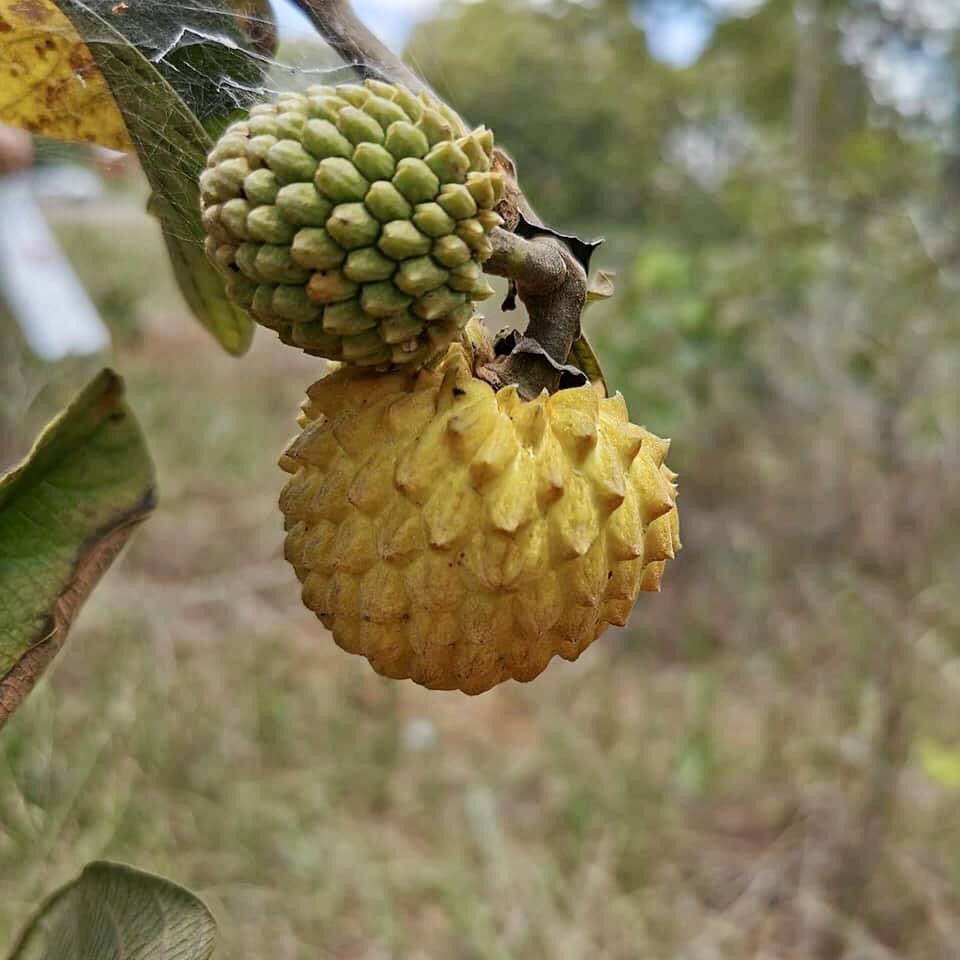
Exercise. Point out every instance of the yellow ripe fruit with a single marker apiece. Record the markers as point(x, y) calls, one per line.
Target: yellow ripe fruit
point(461, 537)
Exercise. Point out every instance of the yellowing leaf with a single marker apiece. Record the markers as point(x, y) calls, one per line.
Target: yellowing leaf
point(51, 83)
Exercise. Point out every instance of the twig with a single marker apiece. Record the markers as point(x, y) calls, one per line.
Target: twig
point(341, 28)
point(550, 281)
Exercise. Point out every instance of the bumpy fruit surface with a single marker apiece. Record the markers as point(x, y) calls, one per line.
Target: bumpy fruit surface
point(353, 220)
point(462, 537)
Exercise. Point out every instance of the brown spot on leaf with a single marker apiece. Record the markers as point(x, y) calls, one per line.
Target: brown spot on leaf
point(119, 9)
point(82, 64)
point(32, 10)
point(4, 26)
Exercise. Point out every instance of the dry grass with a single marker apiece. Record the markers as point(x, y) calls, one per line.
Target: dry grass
point(702, 785)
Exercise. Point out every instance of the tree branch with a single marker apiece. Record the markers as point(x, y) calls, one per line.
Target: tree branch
point(343, 30)
point(550, 281)
point(539, 263)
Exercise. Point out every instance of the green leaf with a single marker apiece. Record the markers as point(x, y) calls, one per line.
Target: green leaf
point(65, 513)
point(113, 912)
point(172, 146)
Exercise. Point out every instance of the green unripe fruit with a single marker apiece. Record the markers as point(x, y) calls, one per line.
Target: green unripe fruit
point(369, 266)
point(482, 291)
point(233, 216)
point(381, 88)
point(471, 280)
point(290, 125)
point(354, 93)
point(384, 111)
point(434, 126)
point(383, 300)
point(292, 103)
point(366, 349)
point(224, 181)
point(353, 226)
point(483, 250)
point(415, 180)
point(401, 240)
point(264, 125)
point(212, 247)
point(471, 232)
point(451, 251)
point(347, 319)
point(401, 327)
point(474, 146)
point(301, 205)
point(245, 259)
point(230, 146)
point(412, 106)
point(262, 304)
point(433, 220)
point(331, 286)
point(359, 127)
point(352, 220)
point(210, 218)
point(420, 275)
point(387, 203)
point(274, 264)
point(406, 140)
point(291, 162)
point(438, 303)
point(241, 290)
point(340, 181)
point(326, 107)
point(311, 338)
point(258, 148)
point(374, 162)
point(323, 139)
point(224, 257)
point(449, 114)
point(486, 188)
point(489, 220)
point(314, 248)
point(448, 162)
point(261, 186)
point(457, 201)
point(466, 276)
point(266, 225)
point(292, 303)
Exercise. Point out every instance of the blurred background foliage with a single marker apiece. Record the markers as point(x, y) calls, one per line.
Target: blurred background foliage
point(765, 763)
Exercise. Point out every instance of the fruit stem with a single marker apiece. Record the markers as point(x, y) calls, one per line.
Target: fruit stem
point(553, 286)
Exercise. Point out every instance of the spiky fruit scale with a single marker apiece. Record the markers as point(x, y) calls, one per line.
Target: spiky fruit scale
point(461, 537)
point(367, 175)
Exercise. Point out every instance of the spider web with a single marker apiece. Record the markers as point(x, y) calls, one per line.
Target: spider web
point(215, 58)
